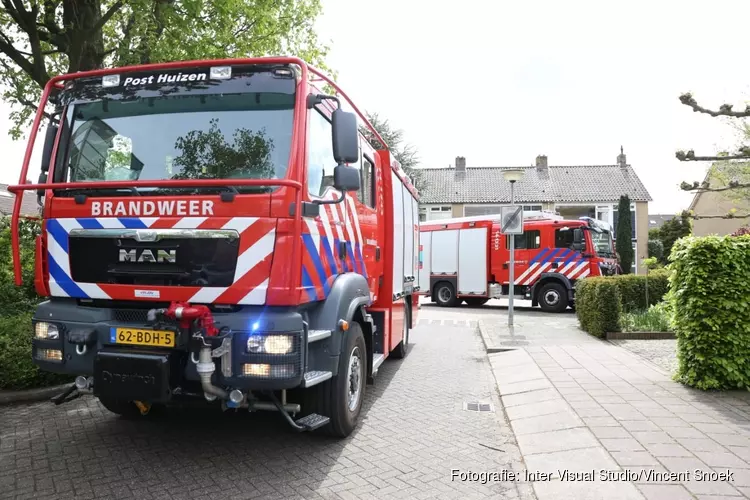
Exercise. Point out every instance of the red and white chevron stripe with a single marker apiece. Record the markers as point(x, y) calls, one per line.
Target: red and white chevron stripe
point(573, 270)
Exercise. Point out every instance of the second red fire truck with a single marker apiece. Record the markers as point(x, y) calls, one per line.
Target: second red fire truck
point(219, 231)
point(466, 259)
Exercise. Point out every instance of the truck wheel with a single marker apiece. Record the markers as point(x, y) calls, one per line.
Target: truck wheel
point(475, 301)
point(445, 294)
point(553, 297)
point(399, 352)
point(127, 409)
point(341, 397)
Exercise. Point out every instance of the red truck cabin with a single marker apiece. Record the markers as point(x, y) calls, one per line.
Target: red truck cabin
point(466, 259)
point(220, 230)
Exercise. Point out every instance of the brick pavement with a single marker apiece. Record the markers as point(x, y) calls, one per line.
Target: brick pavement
point(414, 431)
point(582, 404)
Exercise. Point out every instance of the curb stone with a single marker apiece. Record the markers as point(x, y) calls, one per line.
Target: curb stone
point(31, 395)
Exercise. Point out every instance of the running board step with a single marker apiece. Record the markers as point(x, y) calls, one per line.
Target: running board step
point(312, 421)
point(315, 335)
point(377, 360)
point(315, 377)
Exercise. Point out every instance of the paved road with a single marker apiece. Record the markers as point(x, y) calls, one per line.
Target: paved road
point(414, 432)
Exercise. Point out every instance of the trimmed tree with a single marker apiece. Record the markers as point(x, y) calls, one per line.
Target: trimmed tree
point(624, 245)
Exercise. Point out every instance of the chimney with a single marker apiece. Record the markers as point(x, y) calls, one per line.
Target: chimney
point(621, 159)
point(541, 162)
point(460, 167)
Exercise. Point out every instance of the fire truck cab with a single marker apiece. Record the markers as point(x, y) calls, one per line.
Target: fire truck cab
point(467, 259)
point(219, 231)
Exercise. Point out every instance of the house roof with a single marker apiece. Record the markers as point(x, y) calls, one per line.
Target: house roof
point(575, 183)
point(656, 220)
point(29, 206)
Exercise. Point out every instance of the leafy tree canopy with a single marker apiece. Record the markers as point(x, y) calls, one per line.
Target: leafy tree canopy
point(406, 154)
point(623, 243)
point(43, 38)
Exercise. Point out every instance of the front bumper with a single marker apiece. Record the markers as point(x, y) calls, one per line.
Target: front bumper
point(87, 344)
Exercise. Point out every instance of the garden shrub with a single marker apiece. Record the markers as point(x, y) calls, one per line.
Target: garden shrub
point(656, 318)
point(14, 299)
point(633, 289)
point(17, 370)
point(710, 294)
point(656, 249)
point(598, 305)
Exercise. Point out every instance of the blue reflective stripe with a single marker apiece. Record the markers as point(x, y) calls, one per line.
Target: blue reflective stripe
point(350, 253)
point(89, 223)
point(362, 261)
point(539, 255)
point(549, 256)
point(308, 285)
point(574, 255)
point(132, 223)
point(64, 281)
point(315, 258)
point(563, 255)
point(329, 255)
point(58, 233)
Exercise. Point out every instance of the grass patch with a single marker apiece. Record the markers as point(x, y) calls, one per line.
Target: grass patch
point(656, 318)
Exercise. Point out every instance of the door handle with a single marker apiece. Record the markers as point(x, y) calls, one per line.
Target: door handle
point(377, 254)
point(505, 266)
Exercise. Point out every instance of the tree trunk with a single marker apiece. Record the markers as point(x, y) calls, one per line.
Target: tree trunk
point(85, 39)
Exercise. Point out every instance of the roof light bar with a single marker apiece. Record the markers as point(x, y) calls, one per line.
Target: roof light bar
point(221, 72)
point(110, 80)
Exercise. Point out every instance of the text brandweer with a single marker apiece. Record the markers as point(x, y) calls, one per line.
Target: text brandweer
point(200, 208)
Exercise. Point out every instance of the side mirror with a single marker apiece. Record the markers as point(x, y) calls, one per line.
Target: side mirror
point(345, 137)
point(345, 178)
point(49, 143)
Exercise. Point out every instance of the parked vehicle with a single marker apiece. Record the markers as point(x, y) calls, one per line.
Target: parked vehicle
point(219, 231)
point(467, 258)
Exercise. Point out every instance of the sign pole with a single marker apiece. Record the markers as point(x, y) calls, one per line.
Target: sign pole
point(512, 265)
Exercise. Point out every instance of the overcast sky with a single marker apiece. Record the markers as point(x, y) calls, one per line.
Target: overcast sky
point(500, 82)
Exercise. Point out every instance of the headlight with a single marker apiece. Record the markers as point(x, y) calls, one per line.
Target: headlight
point(270, 344)
point(46, 331)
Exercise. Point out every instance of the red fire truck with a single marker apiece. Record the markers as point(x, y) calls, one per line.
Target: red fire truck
point(466, 259)
point(221, 231)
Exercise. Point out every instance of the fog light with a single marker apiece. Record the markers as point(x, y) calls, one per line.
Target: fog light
point(268, 371)
point(49, 354)
point(46, 331)
point(256, 370)
point(278, 344)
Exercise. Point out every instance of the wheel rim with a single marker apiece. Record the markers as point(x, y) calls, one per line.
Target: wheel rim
point(445, 294)
point(551, 297)
point(355, 378)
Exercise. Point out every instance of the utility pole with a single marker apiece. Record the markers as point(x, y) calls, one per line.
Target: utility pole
point(512, 265)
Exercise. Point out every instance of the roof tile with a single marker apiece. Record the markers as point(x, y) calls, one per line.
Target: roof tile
point(577, 183)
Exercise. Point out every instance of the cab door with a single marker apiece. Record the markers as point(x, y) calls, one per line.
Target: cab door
point(526, 257)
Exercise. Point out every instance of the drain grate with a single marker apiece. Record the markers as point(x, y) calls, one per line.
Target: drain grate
point(478, 406)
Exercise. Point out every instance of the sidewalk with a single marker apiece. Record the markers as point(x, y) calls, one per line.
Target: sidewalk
point(587, 406)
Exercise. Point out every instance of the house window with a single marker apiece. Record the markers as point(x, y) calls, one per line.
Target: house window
point(479, 210)
point(435, 212)
point(532, 208)
point(526, 241)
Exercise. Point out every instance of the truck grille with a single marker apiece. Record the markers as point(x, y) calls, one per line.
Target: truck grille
point(167, 262)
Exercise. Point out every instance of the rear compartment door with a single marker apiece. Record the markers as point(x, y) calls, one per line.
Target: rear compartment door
point(425, 255)
point(445, 252)
point(472, 261)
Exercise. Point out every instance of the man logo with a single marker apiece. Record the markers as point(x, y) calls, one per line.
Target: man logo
point(147, 255)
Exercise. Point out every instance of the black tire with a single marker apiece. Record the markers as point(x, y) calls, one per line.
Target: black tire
point(475, 301)
point(331, 398)
point(553, 297)
point(400, 351)
point(128, 409)
point(445, 295)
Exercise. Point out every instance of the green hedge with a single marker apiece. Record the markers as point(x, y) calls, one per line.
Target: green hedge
point(598, 305)
point(633, 289)
point(710, 293)
point(17, 370)
point(601, 301)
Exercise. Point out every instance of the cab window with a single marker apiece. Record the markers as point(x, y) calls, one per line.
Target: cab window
point(526, 241)
point(320, 162)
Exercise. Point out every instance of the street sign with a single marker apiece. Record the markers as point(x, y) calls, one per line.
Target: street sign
point(511, 219)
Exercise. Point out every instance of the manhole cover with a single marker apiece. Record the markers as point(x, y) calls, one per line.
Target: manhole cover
point(478, 406)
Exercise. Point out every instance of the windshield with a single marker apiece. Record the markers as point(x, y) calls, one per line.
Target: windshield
point(155, 135)
point(602, 243)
